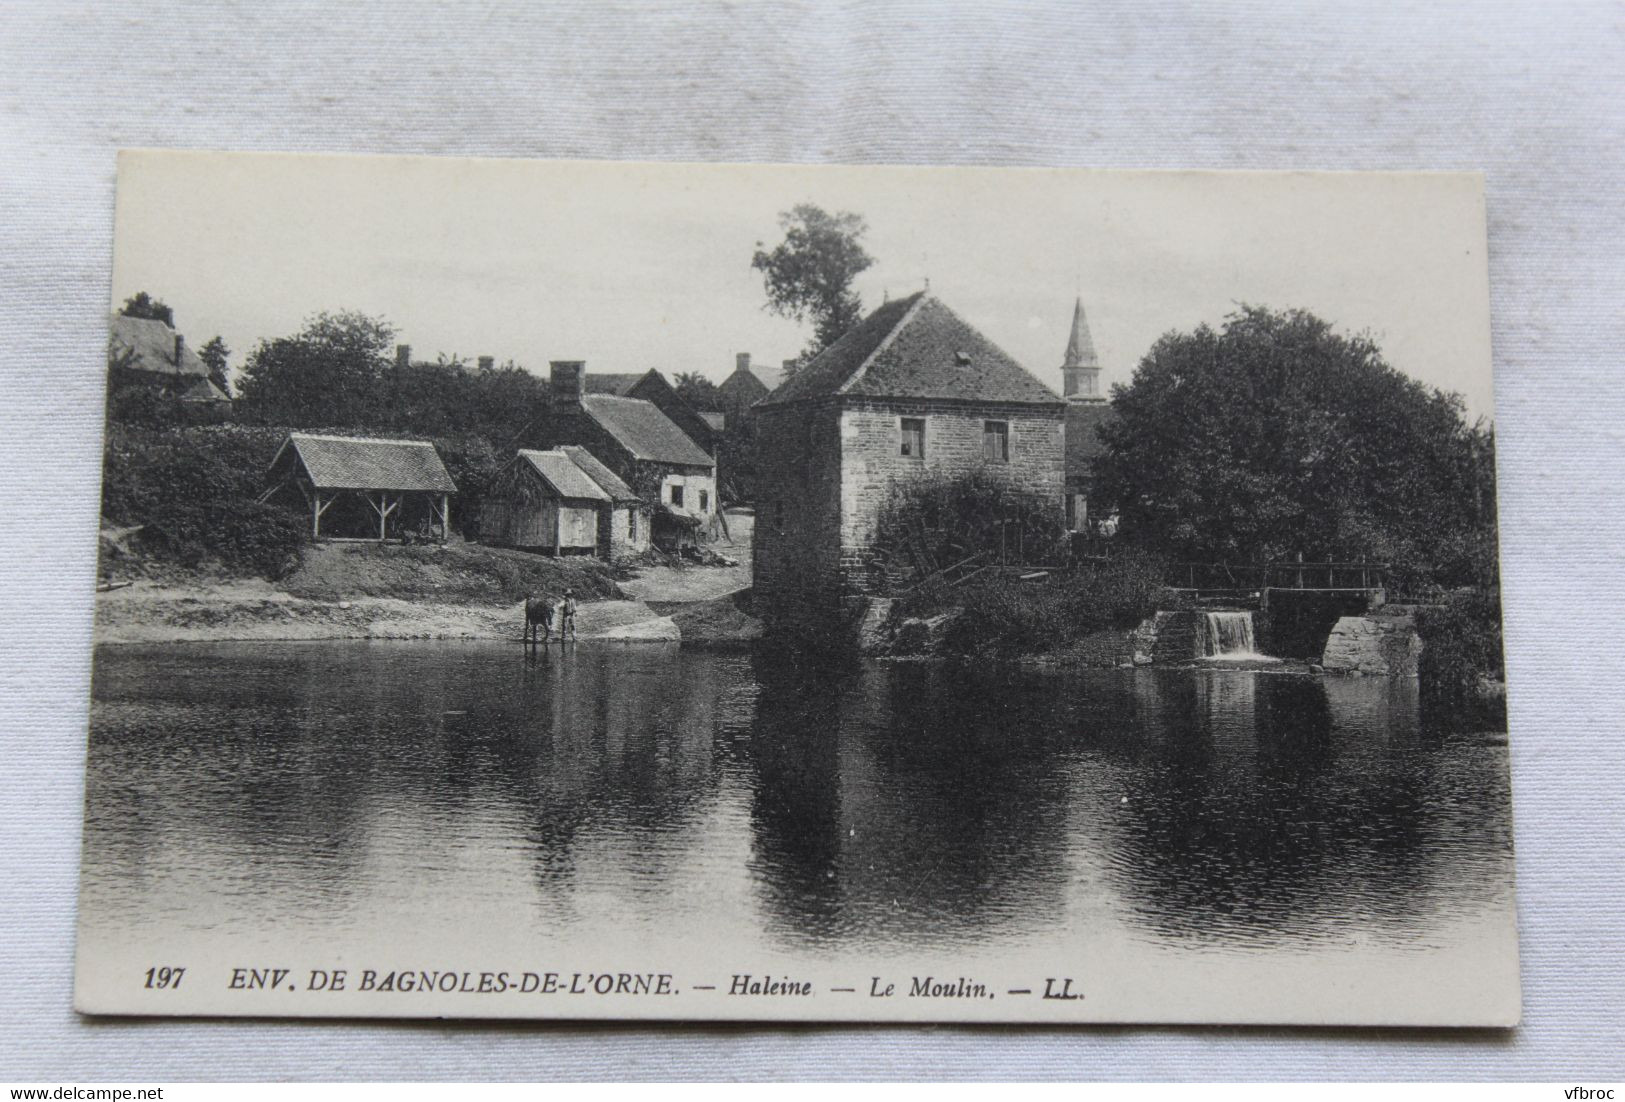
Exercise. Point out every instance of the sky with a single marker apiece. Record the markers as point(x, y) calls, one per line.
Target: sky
point(630, 266)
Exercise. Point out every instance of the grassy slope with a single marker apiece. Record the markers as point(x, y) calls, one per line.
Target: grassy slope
point(452, 574)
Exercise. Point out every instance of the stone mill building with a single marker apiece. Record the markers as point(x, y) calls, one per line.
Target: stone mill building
point(911, 389)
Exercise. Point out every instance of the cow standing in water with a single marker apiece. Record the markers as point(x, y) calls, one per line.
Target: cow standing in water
point(538, 616)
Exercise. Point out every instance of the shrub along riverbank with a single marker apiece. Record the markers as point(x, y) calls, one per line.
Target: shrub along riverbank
point(1072, 616)
point(1463, 669)
point(1004, 615)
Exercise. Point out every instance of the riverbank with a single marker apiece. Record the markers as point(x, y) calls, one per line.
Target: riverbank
point(455, 591)
point(253, 610)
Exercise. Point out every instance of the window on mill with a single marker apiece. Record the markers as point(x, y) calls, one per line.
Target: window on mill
point(912, 434)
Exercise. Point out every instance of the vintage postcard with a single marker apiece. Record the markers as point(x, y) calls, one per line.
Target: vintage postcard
point(655, 591)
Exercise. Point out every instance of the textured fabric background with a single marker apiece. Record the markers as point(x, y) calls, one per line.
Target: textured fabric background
point(1529, 93)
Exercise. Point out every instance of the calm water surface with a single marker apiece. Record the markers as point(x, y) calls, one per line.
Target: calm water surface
point(322, 792)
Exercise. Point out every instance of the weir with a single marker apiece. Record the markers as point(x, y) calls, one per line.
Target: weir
point(1229, 635)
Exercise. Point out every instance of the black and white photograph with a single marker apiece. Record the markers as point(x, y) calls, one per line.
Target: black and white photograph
point(598, 590)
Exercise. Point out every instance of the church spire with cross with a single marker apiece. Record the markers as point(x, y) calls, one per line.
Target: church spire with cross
point(1080, 373)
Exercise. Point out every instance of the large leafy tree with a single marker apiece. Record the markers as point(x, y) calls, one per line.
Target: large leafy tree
point(1274, 436)
point(332, 372)
point(808, 276)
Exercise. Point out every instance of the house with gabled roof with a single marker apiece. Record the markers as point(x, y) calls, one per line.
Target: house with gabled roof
point(653, 387)
point(743, 388)
point(150, 347)
point(355, 487)
point(673, 476)
point(909, 391)
point(148, 352)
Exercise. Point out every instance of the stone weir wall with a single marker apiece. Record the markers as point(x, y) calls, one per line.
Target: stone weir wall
point(1384, 643)
point(1297, 622)
point(1177, 636)
point(1379, 644)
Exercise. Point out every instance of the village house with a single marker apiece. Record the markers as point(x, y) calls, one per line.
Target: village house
point(563, 502)
point(358, 488)
point(643, 447)
point(651, 386)
point(909, 390)
point(744, 387)
point(1086, 410)
point(147, 352)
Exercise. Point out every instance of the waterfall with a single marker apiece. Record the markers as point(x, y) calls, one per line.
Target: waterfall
point(1228, 635)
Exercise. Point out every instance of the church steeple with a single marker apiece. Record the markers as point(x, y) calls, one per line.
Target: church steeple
point(1080, 373)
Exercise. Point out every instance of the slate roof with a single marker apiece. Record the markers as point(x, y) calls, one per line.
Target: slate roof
point(1083, 443)
point(204, 390)
point(914, 347)
point(611, 382)
point(1080, 346)
point(643, 430)
point(147, 344)
point(353, 463)
point(607, 479)
point(559, 471)
point(743, 386)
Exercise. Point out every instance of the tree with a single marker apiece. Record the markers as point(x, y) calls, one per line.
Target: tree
point(330, 373)
point(1274, 436)
point(808, 276)
point(698, 391)
point(143, 305)
point(214, 355)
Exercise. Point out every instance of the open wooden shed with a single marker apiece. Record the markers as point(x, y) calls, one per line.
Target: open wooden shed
point(356, 488)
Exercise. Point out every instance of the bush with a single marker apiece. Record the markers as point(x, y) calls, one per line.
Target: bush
point(947, 517)
point(1007, 614)
point(472, 462)
point(193, 491)
point(142, 404)
point(245, 535)
point(1461, 651)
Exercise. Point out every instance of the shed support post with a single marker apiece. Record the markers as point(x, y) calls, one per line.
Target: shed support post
point(383, 507)
point(317, 508)
point(445, 518)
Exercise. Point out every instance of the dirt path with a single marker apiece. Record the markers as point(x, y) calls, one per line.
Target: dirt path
point(687, 584)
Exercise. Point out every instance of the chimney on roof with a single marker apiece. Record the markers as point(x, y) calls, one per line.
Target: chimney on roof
point(180, 346)
point(742, 361)
point(403, 355)
point(488, 363)
point(567, 379)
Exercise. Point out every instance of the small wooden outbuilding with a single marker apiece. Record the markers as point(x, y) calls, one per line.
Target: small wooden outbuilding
point(563, 501)
point(623, 528)
point(542, 501)
point(356, 488)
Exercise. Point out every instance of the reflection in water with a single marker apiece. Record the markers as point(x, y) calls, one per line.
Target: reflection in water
point(323, 788)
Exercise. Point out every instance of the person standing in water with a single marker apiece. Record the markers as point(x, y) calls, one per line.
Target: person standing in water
point(567, 615)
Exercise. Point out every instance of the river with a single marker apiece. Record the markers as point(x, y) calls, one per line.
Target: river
point(1188, 843)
